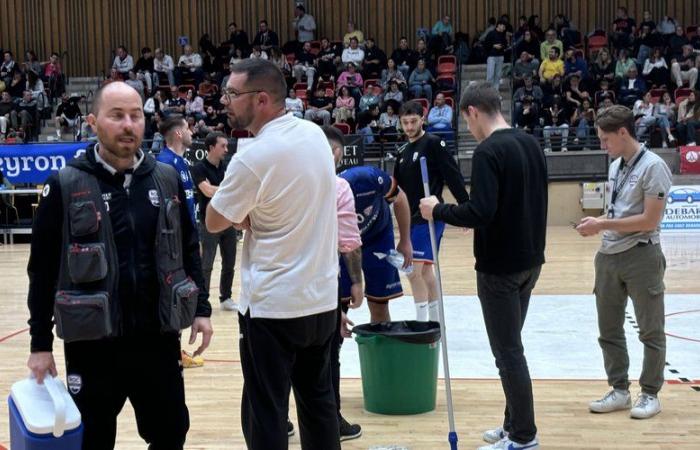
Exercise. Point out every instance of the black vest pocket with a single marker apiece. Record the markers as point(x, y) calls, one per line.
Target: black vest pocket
point(82, 316)
point(87, 262)
point(84, 218)
point(178, 301)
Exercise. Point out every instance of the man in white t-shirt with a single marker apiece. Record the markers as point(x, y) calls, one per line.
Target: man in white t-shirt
point(280, 186)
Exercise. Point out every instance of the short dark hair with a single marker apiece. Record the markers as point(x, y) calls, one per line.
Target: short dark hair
point(300, 7)
point(212, 138)
point(411, 107)
point(263, 21)
point(354, 39)
point(145, 50)
point(121, 47)
point(172, 122)
point(556, 50)
point(263, 75)
point(615, 117)
point(333, 134)
point(233, 24)
point(482, 96)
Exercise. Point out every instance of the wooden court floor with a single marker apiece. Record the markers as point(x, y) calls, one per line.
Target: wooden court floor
point(213, 392)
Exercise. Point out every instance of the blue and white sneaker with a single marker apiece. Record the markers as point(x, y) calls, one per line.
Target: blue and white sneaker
point(507, 444)
point(495, 435)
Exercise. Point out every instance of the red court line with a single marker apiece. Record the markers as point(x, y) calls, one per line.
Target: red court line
point(683, 382)
point(10, 336)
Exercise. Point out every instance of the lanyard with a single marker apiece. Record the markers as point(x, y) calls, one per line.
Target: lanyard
point(620, 183)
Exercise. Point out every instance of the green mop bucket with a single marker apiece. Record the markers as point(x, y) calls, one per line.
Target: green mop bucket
point(399, 366)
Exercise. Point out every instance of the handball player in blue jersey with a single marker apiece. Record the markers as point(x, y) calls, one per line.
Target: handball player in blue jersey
point(178, 138)
point(374, 191)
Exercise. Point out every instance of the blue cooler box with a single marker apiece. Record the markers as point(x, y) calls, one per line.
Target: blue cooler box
point(43, 417)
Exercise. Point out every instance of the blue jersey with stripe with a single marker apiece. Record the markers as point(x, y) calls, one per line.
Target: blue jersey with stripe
point(370, 187)
point(171, 158)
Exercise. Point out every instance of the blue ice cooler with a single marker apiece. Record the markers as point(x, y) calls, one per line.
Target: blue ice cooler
point(43, 416)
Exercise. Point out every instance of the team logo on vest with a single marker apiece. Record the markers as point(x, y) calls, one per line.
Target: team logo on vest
point(415, 156)
point(183, 175)
point(153, 197)
point(443, 144)
point(45, 191)
point(633, 180)
point(75, 383)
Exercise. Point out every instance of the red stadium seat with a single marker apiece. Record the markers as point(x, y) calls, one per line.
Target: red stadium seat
point(290, 58)
point(372, 81)
point(691, 31)
point(656, 94)
point(300, 89)
point(446, 82)
point(450, 101)
point(682, 92)
point(447, 68)
point(315, 47)
point(595, 43)
point(343, 127)
point(426, 105)
point(447, 59)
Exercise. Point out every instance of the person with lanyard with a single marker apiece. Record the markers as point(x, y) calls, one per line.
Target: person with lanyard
point(207, 175)
point(178, 138)
point(281, 187)
point(630, 262)
point(442, 169)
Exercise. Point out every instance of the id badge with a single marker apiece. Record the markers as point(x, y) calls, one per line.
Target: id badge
point(611, 213)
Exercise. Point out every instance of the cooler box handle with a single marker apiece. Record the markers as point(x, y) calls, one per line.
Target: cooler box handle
point(57, 393)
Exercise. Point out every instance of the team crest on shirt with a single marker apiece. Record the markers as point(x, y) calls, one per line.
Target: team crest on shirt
point(183, 175)
point(415, 156)
point(634, 179)
point(45, 191)
point(75, 383)
point(380, 180)
point(443, 144)
point(153, 197)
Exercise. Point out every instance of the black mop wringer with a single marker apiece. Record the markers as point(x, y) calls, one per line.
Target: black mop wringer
point(452, 435)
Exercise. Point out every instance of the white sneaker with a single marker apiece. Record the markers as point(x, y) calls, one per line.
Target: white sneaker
point(614, 400)
point(229, 305)
point(664, 144)
point(645, 407)
point(495, 435)
point(564, 149)
point(507, 444)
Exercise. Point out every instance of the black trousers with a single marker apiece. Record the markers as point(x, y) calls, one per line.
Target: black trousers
point(335, 352)
point(504, 302)
point(279, 354)
point(226, 241)
point(102, 374)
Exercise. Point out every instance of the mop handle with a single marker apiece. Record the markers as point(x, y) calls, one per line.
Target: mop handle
point(443, 337)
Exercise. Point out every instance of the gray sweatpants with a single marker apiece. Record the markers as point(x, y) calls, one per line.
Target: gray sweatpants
point(639, 274)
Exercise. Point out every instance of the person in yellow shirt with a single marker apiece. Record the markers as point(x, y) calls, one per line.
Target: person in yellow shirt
point(552, 66)
point(353, 33)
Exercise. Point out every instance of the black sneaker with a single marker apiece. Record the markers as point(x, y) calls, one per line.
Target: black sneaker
point(290, 428)
point(348, 431)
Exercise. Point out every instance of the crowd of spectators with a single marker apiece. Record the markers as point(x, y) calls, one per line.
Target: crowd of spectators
point(28, 90)
point(562, 80)
point(350, 81)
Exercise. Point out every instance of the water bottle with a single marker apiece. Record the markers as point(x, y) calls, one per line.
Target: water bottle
point(395, 259)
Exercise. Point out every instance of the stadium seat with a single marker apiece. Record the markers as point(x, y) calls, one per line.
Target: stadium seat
point(326, 85)
point(447, 59)
point(681, 92)
point(315, 47)
point(446, 68)
point(290, 58)
point(426, 105)
point(330, 92)
point(451, 102)
point(595, 43)
point(372, 81)
point(343, 127)
point(691, 31)
point(300, 89)
point(656, 95)
point(446, 82)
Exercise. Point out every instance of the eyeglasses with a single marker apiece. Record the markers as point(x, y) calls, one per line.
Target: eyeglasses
point(230, 94)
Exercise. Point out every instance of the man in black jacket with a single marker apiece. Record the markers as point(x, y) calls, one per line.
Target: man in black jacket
point(508, 211)
point(137, 361)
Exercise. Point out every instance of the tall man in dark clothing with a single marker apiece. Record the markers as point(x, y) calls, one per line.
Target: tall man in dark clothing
point(126, 289)
point(266, 38)
point(508, 211)
point(207, 175)
point(404, 57)
point(495, 45)
point(443, 170)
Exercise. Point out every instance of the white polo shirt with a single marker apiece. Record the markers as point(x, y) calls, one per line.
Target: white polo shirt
point(284, 181)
